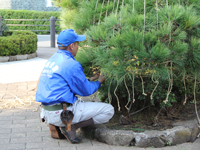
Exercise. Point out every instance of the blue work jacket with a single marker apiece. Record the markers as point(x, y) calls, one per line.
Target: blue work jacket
point(62, 79)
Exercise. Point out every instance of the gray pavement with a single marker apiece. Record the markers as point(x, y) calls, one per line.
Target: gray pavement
point(44, 40)
point(21, 128)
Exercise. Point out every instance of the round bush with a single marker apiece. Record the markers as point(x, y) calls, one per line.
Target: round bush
point(19, 43)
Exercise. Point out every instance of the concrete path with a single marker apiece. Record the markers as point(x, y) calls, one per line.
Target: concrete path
point(44, 40)
point(21, 128)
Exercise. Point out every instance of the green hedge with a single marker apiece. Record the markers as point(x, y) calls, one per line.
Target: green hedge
point(30, 14)
point(19, 43)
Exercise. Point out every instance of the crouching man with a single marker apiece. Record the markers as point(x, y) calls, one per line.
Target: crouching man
point(61, 80)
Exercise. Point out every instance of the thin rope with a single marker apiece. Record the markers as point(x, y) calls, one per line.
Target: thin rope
point(170, 37)
point(133, 5)
point(129, 96)
point(157, 12)
point(121, 13)
point(142, 86)
point(95, 12)
point(179, 2)
point(107, 8)
point(122, 2)
point(144, 21)
point(133, 88)
point(185, 91)
point(117, 96)
point(101, 12)
point(170, 85)
point(109, 95)
point(195, 99)
point(154, 88)
point(113, 6)
point(167, 3)
point(117, 8)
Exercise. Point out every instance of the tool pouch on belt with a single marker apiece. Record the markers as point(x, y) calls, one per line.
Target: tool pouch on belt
point(66, 116)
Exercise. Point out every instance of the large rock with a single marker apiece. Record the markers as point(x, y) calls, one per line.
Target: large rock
point(114, 137)
point(105, 135)
point(192, 125)
point(177, 135)
point(150, 138)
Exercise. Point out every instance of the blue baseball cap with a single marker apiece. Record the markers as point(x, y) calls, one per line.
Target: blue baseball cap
point(69, 36)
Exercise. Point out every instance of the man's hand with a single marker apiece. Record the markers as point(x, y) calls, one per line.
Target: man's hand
point(95, 77)
point(102, 78)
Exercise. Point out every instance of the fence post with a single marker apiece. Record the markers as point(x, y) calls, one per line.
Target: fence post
point(1, 34)
point(52, 30)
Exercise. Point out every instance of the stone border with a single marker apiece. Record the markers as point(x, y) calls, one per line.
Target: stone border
point(185, 131)
point(17, 57)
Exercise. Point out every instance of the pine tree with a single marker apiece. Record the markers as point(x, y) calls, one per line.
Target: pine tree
point(148, 49)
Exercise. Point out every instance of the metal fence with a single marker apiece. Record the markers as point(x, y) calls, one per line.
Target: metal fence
point(52, 26)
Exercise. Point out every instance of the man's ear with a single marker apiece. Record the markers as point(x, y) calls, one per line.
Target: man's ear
point(71, 46)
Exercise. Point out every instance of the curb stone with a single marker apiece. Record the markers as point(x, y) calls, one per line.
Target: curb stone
point(4, 58)
point(17, 57)
point(21, 57)
point(182, 132)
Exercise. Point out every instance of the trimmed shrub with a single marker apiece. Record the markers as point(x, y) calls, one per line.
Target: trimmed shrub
point(20, 42)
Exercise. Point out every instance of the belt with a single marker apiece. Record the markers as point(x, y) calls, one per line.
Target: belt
point(54, 107)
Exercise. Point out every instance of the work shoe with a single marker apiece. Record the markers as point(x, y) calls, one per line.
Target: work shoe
point(71, 135)
point(55, 132)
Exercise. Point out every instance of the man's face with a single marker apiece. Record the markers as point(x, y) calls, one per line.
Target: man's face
point(75, 48)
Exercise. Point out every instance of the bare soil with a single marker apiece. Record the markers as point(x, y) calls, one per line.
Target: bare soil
point(145, 120)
